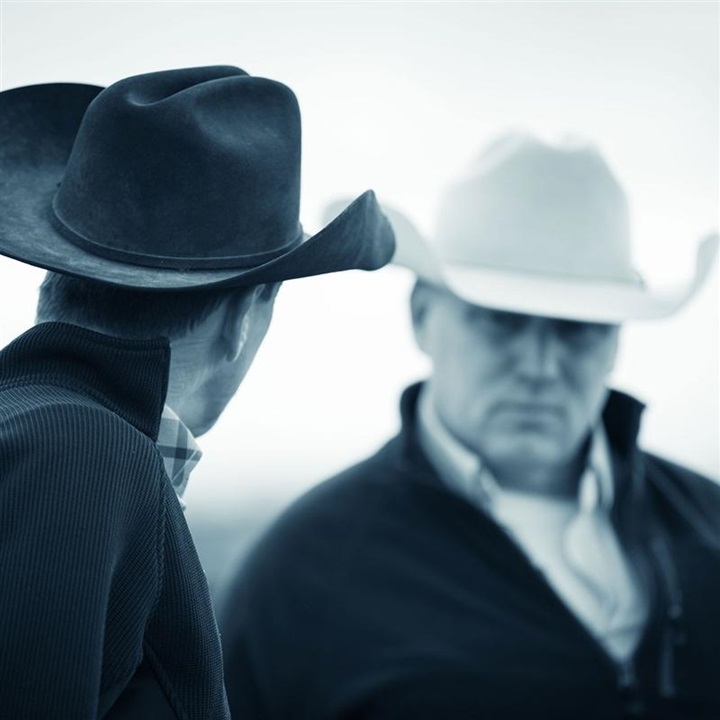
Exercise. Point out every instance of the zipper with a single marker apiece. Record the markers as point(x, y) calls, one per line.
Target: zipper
point(627, 679)
point(673, 631)
point(640, 556)
point(633, 705)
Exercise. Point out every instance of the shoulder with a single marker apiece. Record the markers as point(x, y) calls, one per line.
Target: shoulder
point(341, 503)
point(693, 497)
point(53, 435)
point(285, 593)
point(54, 411)
point(682, 477)
point(322, 527)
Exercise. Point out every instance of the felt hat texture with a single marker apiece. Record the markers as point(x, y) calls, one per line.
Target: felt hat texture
point(177, 179)
point(540, 229)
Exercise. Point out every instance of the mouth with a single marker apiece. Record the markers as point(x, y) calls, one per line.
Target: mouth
point(531, 406)
point(532, 410)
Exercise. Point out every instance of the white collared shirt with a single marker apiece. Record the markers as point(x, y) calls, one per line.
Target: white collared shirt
point(570, 540)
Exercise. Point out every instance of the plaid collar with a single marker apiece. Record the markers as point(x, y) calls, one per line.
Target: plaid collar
point(180, 452)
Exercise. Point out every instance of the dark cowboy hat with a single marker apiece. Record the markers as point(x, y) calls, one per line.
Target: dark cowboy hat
point(179, 179)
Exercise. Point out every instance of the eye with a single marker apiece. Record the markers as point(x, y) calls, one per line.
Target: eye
point(581, 334)
point(497, 323)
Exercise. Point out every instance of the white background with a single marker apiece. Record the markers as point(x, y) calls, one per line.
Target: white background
point(397, 96)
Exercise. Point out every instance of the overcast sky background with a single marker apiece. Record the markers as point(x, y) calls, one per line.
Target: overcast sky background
point(397, 97)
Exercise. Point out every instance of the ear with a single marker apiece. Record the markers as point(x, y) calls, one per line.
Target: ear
point(239, 311)
point(420, 300)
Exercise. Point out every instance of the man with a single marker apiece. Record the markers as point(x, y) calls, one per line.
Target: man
point(512, 553)
point(165, 207)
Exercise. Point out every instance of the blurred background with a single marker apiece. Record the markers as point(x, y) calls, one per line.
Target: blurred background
point(397, 96)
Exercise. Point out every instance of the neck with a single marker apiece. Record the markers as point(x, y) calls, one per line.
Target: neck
point(189, 367)
point(558, 479)
point(179, 391)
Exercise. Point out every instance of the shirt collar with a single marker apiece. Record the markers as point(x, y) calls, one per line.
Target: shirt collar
point(180, 452)
point(464, 471)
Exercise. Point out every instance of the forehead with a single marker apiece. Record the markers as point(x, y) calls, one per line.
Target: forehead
point(461, 308)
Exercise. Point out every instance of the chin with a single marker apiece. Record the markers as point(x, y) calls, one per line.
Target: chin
point(526, 448)
point(214, 408)
point(201, 428)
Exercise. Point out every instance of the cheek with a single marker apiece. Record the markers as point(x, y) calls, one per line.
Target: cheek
point(229, 376)
point(587, 378)
point(461, 363)
point(465, 378)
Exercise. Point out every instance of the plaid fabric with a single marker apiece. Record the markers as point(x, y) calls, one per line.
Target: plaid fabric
point(179, 451)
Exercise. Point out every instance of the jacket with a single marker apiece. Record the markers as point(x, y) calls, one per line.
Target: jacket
point(382, 594)
point(104, 607)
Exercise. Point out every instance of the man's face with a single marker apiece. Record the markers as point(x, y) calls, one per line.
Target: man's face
point(519, 390)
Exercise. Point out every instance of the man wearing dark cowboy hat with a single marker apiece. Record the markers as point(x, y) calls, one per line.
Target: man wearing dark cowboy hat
point(512, 553)
point(165, 206)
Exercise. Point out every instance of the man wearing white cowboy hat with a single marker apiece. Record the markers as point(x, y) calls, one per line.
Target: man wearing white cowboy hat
point(166, 209)
point(512, 553)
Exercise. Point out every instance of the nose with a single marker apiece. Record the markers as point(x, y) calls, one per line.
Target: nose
point(539, 352)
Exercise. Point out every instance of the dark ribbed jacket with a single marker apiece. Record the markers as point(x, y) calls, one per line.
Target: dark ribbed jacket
point(383, 595)
point(104, 607)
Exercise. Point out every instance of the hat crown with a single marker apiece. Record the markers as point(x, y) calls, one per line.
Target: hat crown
point(529, 207)
point(192, 168)
point(174, 180)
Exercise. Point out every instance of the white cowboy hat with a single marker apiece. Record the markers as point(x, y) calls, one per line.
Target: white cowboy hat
point(541, 230)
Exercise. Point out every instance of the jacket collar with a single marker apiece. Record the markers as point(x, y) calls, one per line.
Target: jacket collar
point(622, 416)
point(129, 377)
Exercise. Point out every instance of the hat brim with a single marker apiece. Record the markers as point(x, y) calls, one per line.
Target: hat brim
point(32, 167)
point(549, 296)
